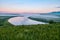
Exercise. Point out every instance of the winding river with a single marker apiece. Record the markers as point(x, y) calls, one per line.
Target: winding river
point(23, 21)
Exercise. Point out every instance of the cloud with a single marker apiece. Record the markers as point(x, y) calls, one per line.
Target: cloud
point(58, 7)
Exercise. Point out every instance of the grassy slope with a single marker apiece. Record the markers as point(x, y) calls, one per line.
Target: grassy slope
point(30, 32)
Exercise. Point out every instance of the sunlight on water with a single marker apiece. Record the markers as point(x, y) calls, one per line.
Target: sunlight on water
point(23, 21)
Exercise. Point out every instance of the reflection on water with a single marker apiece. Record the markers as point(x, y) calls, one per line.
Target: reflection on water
point(23, 21)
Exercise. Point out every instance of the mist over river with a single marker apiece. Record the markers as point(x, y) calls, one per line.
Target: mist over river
point(23, 21)
point(30, 18)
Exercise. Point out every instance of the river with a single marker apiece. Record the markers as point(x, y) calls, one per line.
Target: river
point(23, 21)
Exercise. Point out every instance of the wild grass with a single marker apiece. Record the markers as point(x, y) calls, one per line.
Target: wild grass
point(29, 32)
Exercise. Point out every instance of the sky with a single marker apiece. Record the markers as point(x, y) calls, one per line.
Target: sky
point(31, 6)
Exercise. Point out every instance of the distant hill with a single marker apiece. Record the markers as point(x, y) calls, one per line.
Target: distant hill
point(9, 14)
point(30, 14)
point(55, 13)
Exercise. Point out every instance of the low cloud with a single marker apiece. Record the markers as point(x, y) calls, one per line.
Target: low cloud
point(57, 7)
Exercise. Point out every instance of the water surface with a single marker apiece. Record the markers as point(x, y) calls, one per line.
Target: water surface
point(23, 21)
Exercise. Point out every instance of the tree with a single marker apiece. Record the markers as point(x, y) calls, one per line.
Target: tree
point(51, 21)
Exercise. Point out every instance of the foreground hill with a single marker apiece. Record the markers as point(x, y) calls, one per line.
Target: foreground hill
point(29, 32)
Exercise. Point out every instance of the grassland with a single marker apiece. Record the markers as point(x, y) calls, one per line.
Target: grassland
point(29, 32)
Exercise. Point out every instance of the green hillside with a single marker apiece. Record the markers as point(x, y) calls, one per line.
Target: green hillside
point(29, 32)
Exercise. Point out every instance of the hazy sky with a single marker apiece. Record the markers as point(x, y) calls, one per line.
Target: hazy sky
point(35, 6)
